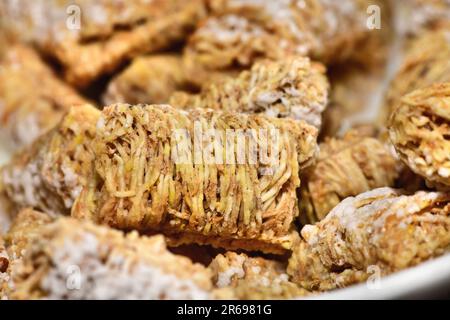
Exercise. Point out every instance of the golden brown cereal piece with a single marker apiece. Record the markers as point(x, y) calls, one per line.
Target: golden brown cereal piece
point(106, 36)
point(149, 79)
point(79, 260)
point(226, 44)
point(238, 33)
point(98, 19)
point(375, 233)
point(49, 175)
point(420, 132)
point(160, 170)
point(345, 167)
point(238, 276)
point(426, 61)
point(24, 230)
point(32, 98)
point(291, 88)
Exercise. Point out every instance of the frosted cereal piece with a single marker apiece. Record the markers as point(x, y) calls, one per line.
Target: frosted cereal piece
point(426, 62)
point(318, 28)
point(238, 276)
point(417, 105)
point(92, 38)
point(377, 232)
point(239, 32)
point(221, 43)
point(24, 230)
point(155, 173)
point(345, 167)
point(105, 264)
point(49, 174)
point(98, 19)
point(32, 98)
point(149, 79)
point(293, 88)
point(420, 132)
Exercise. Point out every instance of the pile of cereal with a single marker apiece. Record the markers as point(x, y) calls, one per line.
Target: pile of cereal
point(220, 149)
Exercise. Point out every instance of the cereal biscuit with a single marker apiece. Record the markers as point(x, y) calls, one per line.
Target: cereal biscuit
point(150, 179)
point(381, 231)
point(32, 99)
point(293, 88)
point(109, 264)
point(50, 174)
point(107, 35)
point(420, 132)
point(345, 167)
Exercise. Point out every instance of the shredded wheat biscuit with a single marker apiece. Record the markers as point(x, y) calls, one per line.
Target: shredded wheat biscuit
point(345, 167)
point(240, 32)
point(292, 88)
point(426, 61)
point(380, 231)
point(420, 132)
point(24, 230)
point(233, 205)
point(50, 174)
point(108, 264)
point(107, 34)
point(32, 98)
